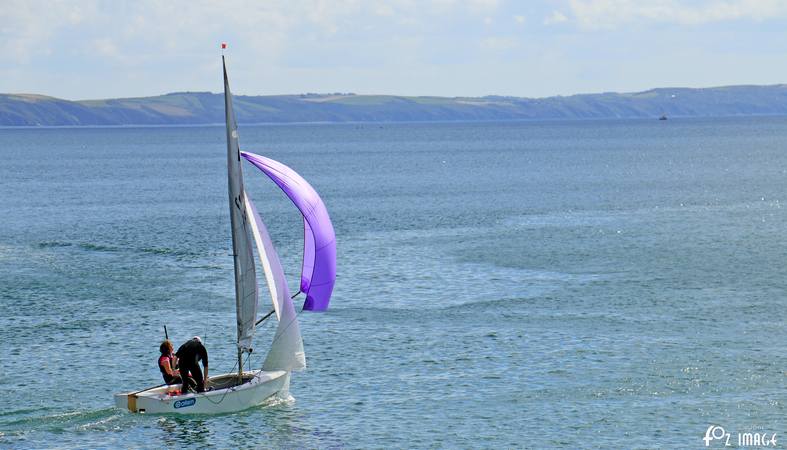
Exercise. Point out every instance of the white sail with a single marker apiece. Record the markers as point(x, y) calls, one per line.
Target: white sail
point(286, 352)
point(243, 256)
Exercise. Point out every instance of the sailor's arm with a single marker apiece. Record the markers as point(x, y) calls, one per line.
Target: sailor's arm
point(204, 354)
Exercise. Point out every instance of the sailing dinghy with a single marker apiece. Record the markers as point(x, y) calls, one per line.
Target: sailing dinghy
point(237, 391)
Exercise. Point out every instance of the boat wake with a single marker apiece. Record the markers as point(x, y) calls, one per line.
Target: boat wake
point(99, 419)
point(280, 399)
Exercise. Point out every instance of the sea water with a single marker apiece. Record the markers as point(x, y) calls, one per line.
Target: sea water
point(615, 284)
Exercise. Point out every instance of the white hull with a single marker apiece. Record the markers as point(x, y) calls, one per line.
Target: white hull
point(157, 400)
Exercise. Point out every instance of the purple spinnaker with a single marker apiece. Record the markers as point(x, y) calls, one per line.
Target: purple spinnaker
point(318, 272)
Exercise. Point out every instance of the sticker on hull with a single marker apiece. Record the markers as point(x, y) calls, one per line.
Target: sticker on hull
point(185, 403)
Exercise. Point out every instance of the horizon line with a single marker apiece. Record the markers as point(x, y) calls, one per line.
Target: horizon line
point(349, 94)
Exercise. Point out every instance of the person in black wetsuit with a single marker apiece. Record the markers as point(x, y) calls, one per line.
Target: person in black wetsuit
point(189, 354)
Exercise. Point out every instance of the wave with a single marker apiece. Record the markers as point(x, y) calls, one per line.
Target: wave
point(98, 247)
point(50, 244)
point(168, 251)
point(405, 312)
point(81, 245)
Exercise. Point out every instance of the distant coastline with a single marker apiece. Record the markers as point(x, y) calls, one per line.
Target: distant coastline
point(203, 108)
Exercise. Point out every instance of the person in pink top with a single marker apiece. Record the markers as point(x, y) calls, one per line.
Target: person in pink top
point(168, 363)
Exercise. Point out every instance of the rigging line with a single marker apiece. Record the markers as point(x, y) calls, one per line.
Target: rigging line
point(229, 389)
point(265, 317)
point(273, 311)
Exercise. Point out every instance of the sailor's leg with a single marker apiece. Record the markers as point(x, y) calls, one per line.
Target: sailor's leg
point(184, 375)
point(196, 372)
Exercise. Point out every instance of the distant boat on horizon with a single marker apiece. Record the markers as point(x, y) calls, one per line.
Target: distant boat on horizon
point(663, 117)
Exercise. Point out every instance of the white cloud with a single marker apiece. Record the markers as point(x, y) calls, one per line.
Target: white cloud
point(145, 45)
point(73, 49)
point(555, 18)
point(26, 27)
point(106, 47)
point(483, 5)
point(607, 14)
point(499, 43)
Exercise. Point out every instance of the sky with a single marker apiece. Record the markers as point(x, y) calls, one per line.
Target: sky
point(92, 49)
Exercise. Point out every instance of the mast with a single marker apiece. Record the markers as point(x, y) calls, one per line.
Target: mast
point(243, 257)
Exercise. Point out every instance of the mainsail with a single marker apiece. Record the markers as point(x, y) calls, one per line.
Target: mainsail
point(245, 274)
point(318, 272)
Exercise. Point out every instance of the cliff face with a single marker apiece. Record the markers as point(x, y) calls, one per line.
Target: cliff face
point(205, 107)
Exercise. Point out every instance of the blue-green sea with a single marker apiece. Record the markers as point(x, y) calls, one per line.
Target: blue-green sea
point(577, 284)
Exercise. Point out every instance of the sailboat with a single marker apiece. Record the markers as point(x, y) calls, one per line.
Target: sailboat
point(236, 391)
